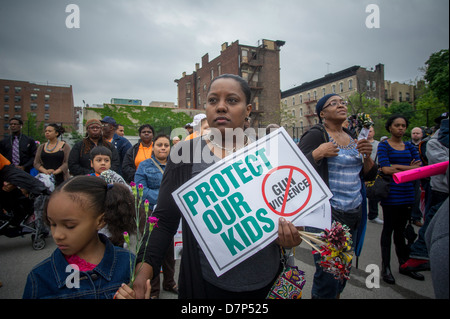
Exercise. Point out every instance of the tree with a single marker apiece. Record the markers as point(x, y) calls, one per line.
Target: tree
point(359, 103)
point(33, 129)
point(437, 75)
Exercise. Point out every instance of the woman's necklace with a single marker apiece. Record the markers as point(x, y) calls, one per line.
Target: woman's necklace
point(228, 150)
point(50, 149)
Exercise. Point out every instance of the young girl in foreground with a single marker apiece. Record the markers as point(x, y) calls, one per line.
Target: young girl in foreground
point(76, 211)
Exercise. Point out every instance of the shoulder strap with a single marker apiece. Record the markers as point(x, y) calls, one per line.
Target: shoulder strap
point(157, 165)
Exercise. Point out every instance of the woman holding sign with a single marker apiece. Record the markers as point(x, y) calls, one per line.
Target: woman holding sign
point(228, 105)
point(343, 164)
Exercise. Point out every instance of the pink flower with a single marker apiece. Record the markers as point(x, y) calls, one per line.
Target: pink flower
point(153, 220)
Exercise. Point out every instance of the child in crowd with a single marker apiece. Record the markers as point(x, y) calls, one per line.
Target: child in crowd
point(101, 158)
point(86, 264)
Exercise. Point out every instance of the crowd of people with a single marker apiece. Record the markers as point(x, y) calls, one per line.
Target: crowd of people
point(93, 204)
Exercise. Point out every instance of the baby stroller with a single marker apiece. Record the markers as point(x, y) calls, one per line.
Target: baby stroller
point(22, 202)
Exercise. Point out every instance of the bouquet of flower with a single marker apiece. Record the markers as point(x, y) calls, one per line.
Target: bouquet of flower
point(363, 124)
point(334, 246)
point(150, 220)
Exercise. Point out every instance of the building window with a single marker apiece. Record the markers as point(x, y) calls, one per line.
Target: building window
point(323, 92)
point(374, 86)
point(46, 107)
point(212, 74)
point(341, 87)
point(367, 85)
point(6, 107)
point(6, 98)
point(301, 99)
point(17, 98)
point(219, 69)
point(315, 95)
point(46, 116)
point(245, 56)
point(333, 88)
point(301, 111)
point(33, 106)
point(17, 89)
point(6, 88)
point(309, 96)
point(33, 96)
point(293, 113)
point(46, 97)
point(350, 84)
point(17, 108)
point(293, 100)
point(407, 96)
point(400, 96)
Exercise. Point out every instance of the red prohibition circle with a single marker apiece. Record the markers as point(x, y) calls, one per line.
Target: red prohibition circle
point(291, 168)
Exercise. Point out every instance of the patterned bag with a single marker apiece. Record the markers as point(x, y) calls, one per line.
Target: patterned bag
point(289, 283)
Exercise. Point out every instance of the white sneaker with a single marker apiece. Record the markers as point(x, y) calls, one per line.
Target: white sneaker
point(376, 221)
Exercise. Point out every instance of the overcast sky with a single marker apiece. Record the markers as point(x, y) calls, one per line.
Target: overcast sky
point(136, 49)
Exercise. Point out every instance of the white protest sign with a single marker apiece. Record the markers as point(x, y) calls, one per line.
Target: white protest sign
point(233, 207)
point(319, 218)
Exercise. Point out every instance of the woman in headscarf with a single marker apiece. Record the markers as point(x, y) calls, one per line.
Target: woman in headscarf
point(343, 163)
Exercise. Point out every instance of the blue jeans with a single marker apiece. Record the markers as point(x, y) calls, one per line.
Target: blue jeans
point(416, 214)
point(325, 286)
point(419, 248)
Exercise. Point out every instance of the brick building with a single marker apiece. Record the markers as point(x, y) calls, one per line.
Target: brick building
point(299, 103)
point(399, 92)
point(49, 103)
point(259, 65)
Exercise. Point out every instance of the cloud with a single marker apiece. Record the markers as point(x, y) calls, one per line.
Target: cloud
point(137, 48)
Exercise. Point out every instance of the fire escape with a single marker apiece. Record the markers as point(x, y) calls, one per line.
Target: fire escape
point(310, 113)
point(252, 65)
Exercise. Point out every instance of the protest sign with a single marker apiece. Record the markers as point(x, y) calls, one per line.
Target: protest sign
point(233, 207)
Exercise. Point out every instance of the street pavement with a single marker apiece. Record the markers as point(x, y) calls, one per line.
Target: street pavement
point(17, 258)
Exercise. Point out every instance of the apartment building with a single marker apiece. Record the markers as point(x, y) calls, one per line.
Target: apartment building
point(259, 65)
point(299, 103)
point(399, 92)
point(48, 103)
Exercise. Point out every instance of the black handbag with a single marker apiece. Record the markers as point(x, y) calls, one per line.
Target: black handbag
point(379, 188)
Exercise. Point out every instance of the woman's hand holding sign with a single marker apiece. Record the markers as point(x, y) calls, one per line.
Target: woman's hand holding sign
point(288, 235)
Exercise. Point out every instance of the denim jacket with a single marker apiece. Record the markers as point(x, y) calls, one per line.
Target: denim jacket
point(47, 280)
point(149, 175)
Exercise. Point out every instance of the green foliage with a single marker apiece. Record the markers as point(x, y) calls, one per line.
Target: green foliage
point(359, 103)
point(437, 75)
point(32, 129)
point(428, 107)
point(132, 117)
point(75, 136)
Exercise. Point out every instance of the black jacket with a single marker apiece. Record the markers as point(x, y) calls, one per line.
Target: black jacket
point(27, 150)
point(128, 166)
point(190, 280)
point(79, 159)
